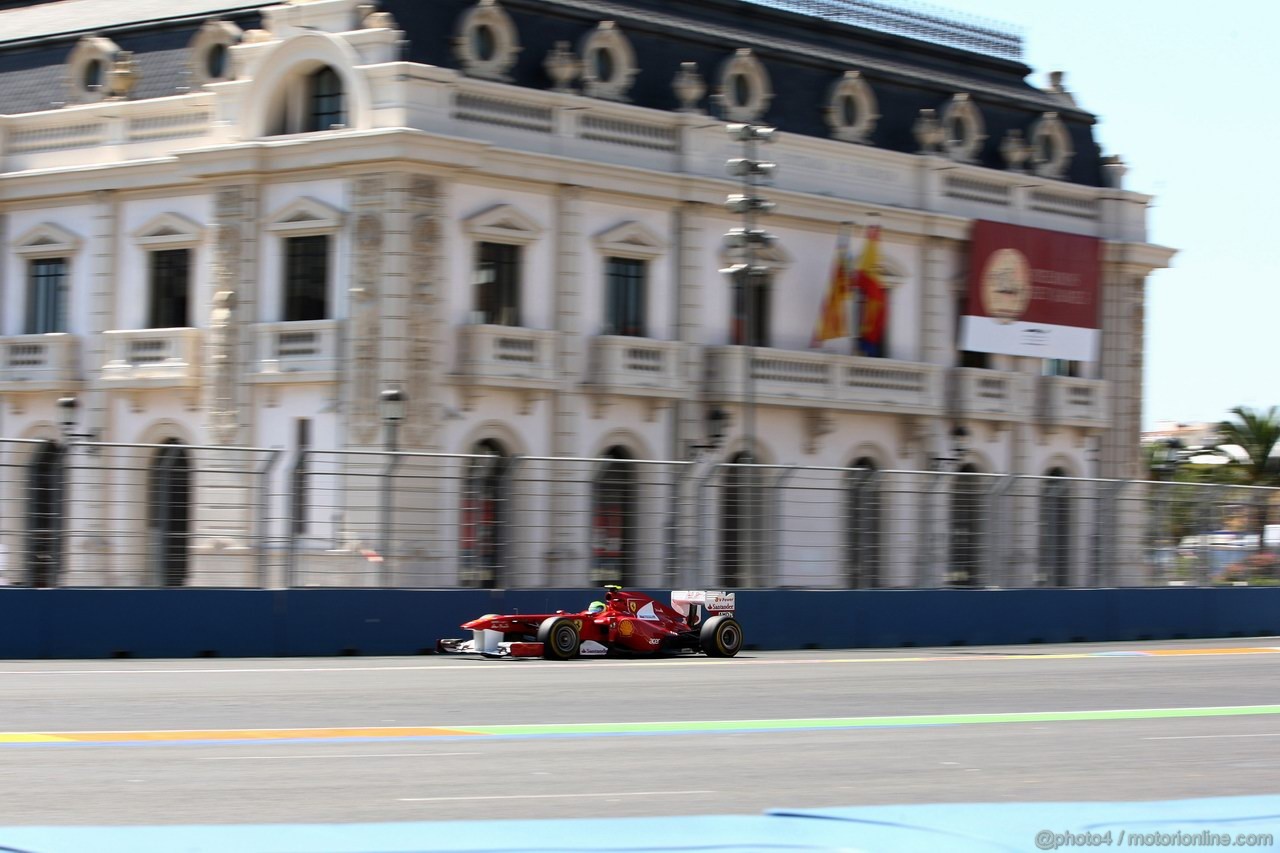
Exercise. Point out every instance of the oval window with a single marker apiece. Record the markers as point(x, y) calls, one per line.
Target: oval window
point(484, 44)
point(93, 75)
point(1046, 149)
point(849, 110)
point(215, 62)
point(604, 65)
point(741, 90)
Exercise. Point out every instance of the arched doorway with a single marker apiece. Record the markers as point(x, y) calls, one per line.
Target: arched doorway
point(1055, 530)
point(169, 514)
point(46, 493)
point(613, 520)
point(862, 525)
point(742, 534)
point(484, 515)
point(967, 511)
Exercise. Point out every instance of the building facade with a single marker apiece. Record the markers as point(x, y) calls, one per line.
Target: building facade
point(234, 224)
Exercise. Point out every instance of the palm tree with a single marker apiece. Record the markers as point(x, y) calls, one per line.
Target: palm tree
point(1257, 433)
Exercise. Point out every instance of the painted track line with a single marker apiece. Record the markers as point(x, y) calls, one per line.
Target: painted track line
point(549, 796)
point(335, 755)
point(481, 733)
point(498, 666)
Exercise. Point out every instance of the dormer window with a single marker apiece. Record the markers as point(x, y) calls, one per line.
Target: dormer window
point(210, 52)
point(483, 43)
point(965, 130)
point(852, 111)
point(215, 62)
point(1051, 150)
point(310, 101)
point(93, 73)
point(486, 41)
point(88, 66)
point(610, 63)
point(324, 90)
point(744, 92)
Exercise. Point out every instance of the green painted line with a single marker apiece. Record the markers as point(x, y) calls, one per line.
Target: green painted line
point(869, 722)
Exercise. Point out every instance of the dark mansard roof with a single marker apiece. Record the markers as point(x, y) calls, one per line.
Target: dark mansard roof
point(803, 53)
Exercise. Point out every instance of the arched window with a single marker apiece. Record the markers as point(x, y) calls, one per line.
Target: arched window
point(862, 526)
point(742, 533)
point(613, 520)
point(752, 319)
point(325, 107)
point(169, 514)
point(484, 515)
point(46, 488)
point(1055, 530)
point(968, 502)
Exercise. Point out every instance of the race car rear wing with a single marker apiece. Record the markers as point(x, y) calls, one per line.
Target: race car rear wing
point(714, 602)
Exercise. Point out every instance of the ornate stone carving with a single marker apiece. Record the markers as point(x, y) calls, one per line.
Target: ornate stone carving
point(689, 87)
point(928, 132)
point(1015, 150)
point(608, 63)
point(223, 415)
point(366, 355)
point(369, 231)
point(1114, 168)
point(852, 110)
point(425, 265)
point(562, 67)
point(123, 75)
point(487, 42)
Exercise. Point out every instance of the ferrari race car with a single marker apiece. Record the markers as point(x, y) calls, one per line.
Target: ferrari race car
point(625, 621)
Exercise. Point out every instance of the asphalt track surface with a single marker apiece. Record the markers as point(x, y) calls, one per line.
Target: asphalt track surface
point(410, 739)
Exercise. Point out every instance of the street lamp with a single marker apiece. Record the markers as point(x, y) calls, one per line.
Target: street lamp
point(748, 276)
point(68, 417)
point(392, 406)
point(959, 436)
point(392, 403)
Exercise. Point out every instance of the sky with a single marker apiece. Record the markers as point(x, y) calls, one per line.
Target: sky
point(1186, 93)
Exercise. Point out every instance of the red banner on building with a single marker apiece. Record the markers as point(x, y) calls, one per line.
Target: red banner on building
point(1032, 292)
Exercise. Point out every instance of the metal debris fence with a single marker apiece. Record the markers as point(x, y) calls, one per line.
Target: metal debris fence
point(114, 515)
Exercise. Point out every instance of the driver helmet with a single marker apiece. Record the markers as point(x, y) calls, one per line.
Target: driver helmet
point(595, 607)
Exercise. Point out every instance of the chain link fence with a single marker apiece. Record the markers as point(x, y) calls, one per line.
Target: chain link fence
point(98, 514)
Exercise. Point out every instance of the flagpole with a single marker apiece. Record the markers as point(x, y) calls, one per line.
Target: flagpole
point(853, 296)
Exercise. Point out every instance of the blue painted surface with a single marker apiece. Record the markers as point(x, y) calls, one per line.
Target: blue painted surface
point(959, 828)
point(98, 623)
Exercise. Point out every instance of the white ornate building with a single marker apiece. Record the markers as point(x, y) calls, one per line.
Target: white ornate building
point(228, 223)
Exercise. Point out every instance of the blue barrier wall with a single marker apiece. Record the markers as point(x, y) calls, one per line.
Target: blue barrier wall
point(97, 623)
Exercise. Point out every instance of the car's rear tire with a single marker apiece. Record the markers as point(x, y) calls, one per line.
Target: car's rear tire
point(559, 638)
point(720, 637)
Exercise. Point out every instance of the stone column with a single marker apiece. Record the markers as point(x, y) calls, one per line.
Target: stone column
point(688, 415)
point(375, 344)
point(568, 558)
point(937, 302)
point(1122, 359)
point(224, 527)
point(418, 224)
point(96, 552)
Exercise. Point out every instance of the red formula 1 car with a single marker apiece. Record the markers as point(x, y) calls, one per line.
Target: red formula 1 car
point(625, 621)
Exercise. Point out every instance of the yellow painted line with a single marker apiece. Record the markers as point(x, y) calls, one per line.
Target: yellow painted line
point(31, 737)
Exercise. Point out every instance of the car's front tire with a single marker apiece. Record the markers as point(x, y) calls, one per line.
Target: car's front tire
point(559, 638)
point(720, 637)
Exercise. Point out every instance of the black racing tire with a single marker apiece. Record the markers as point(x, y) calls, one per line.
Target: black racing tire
point(720, 637)
point(559, 638)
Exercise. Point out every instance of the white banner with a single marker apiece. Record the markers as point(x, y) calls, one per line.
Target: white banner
point(1019, 337)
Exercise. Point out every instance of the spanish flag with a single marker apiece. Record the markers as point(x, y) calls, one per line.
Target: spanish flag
point(833, 320)
point(875, 306)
